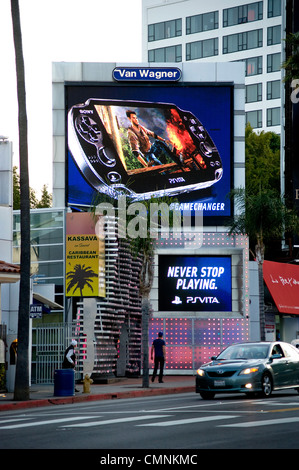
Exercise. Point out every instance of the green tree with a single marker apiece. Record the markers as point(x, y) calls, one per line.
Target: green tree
point(263, 216)
point(262, 160)
point(16, 189)
point(46, 197)
point(21, 391)
point(32, 198)
point(291, 64)
point(143, 246)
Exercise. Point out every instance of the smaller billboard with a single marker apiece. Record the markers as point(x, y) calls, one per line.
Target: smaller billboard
point(195, 283)
point(85, 255)
point(282, 280)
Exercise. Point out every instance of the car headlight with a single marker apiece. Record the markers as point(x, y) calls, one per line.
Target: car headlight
point(249, 370)
point(200, 372)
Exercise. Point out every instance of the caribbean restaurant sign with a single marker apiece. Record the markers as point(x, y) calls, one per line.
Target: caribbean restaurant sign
point(282, 280)
point(85, 255)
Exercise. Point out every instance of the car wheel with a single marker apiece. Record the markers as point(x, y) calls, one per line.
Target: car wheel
point(267, 385)
point(207, 395)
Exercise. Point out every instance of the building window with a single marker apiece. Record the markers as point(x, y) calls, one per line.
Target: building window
point(201, 49)
point(243, 14)
point(273, 35)
point(274, 8)
point(164, 30)
point(166, 54)
point(200, 23)
point(242, 41)
point(253, 93)
point(273, 62)
point(253, 66)
point(47, 247)
point(273, 90)
point(254, 118)
point(273, 117)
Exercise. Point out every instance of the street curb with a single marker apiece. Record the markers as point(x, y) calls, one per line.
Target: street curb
point(87, 398)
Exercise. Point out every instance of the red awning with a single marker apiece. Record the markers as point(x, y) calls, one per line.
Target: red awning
point(282, 281)
point(9, 272)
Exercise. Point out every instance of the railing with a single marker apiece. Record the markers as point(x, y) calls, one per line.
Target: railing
point(51, 340)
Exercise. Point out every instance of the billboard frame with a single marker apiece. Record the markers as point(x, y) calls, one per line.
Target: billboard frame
point(207, 220)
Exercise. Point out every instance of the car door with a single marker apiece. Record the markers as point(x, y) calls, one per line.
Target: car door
point(281, 367)
point(292, 355)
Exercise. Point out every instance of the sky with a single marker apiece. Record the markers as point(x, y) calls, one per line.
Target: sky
point(58, 31)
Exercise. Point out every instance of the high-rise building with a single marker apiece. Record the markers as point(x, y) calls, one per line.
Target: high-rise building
point(224, 30)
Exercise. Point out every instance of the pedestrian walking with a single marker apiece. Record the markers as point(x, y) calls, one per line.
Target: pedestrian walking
point(158, 349)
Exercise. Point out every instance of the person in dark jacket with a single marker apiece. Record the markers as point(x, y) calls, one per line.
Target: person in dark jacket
point(158, 347)
point(69, 360)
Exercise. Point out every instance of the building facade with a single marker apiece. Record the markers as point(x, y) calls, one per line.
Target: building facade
point(224, 31)
point(192, 334)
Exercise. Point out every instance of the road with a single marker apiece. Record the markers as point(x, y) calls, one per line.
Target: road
point(170, 422)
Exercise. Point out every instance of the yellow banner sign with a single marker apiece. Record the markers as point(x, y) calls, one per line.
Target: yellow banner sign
point(85, 256)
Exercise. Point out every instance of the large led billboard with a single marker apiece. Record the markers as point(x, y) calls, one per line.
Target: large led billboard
point(195, 283)
point(148, 140)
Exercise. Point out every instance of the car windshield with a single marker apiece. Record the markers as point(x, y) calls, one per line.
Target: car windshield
point(244, 351)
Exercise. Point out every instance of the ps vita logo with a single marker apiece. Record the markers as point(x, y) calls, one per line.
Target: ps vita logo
point(194, 300)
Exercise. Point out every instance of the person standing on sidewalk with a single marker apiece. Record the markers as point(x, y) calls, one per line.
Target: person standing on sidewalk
point(158, 348)
point(69, 360)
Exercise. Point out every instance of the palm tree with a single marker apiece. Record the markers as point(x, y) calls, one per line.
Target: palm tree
point(264, 217)
point(80, 278)
point(291, 64)
point(143, 246)
point(21, 391)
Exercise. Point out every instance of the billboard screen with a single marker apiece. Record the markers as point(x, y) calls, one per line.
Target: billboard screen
point(146, 141)
point(195, 283)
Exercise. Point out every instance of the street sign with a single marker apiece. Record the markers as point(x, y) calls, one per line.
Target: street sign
point(36, 311)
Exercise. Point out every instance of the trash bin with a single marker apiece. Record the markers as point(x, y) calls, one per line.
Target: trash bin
point(64, 383)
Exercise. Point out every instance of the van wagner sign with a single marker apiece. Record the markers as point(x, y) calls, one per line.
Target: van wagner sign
point(169, 74)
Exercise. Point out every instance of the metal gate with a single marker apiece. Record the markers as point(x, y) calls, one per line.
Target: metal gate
point(48, 346)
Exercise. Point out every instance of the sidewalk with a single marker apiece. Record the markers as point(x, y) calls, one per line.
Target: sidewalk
point(43, 395)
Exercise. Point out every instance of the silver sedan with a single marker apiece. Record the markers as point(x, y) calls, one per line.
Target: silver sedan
point(252, 368)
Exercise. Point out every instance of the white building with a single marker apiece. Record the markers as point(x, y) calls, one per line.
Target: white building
point(220, 31)
point(9, 273)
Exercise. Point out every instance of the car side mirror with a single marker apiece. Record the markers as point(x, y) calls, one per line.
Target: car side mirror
point(275, 356)
point(213, 358)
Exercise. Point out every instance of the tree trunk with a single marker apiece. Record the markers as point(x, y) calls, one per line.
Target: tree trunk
point(145, 309)
point(21, 391)
point(146, 282)
point(260, 249)
point(261, 302)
